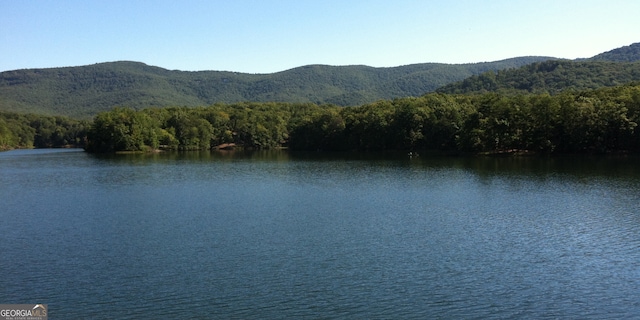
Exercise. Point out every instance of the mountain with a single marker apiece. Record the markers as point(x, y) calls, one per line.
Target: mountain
point(629, 53)
point(615, 67)
point(550, 77)
point(86, 90)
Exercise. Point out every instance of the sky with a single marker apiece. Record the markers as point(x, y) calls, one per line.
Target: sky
point(265, 36)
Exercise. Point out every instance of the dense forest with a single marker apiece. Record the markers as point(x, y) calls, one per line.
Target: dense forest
point(551, 77)
point(30, 130)
point(628, 53)
point(82, 92)
point(611, 68)
point(591, 121)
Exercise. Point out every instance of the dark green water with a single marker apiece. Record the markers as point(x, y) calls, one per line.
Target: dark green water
point(278, 235)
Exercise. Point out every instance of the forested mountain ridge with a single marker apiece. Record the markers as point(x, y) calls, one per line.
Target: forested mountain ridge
point(84, 91)
point(628, 53)
point(612, 68)
point(550, 77)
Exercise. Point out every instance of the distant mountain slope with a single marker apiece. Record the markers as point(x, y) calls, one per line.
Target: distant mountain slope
point(629, 53)
point(549, 77)
point(611, 68)
point(86, 90)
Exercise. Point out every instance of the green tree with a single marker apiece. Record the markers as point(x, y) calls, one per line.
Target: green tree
point(321, 131)
point(122, 129)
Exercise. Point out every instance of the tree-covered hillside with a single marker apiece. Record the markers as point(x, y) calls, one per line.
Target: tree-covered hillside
point(611, 68)
point(84, 91)
point(551, 77)
point(629, 53)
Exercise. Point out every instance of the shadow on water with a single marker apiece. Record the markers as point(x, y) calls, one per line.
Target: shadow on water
point(573, 167)
point(567, 166)
point(193, 156)
point(536, 167)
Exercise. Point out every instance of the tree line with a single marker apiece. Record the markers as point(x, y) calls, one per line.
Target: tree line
point(590, 121)
point(31, 130)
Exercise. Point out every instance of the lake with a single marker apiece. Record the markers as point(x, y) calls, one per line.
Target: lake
point(234, 235)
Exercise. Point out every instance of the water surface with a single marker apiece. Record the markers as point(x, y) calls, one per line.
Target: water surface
point(279, 235)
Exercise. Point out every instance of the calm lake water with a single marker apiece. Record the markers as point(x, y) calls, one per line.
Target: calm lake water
point(284, 235)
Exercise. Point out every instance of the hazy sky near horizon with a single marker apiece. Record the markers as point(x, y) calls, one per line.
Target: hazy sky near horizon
point(264, 36)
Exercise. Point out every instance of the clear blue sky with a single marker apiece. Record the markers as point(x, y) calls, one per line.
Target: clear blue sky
point(263, 36)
